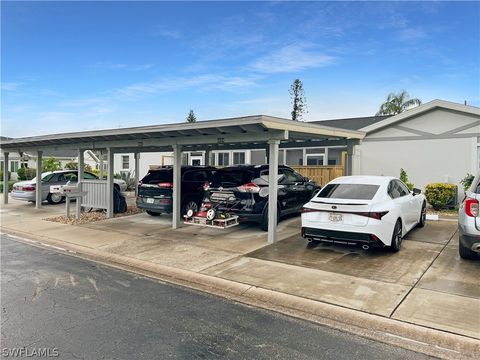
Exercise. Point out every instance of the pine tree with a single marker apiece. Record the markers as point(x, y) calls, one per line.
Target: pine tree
point(191, 118)
point(299, 101)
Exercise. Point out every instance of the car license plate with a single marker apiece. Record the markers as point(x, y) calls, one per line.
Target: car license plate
point(335, 217)
point(150, 200)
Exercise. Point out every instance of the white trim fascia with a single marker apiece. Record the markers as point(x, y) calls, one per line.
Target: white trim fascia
point(468, 109)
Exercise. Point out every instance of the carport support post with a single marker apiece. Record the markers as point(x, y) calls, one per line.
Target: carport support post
point(38, 188)
point(272, 190)
point(207, 156)
point(100, 164)
point(110, 183)
point(136, 156)
point(5, 177)
point(177, 166)
point(81, 166)
point(349, 164)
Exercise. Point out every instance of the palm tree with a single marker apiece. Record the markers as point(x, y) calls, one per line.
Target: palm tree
point(398, 103)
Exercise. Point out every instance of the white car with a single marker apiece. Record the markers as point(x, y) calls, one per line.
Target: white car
point(469, 222)
point(374, 211)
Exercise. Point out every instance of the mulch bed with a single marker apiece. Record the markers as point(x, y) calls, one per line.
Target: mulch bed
point(92, 216)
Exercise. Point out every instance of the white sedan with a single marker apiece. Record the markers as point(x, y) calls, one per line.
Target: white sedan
point(369, 210)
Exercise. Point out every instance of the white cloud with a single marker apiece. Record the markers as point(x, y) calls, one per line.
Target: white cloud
point(167, 33)
point(411, 34)
point(10, 86)
point(200, 82)
point(292, 58)
point(120, 66)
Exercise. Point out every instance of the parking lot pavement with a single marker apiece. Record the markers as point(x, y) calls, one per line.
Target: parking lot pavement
point(425, 283)
point(447, 296)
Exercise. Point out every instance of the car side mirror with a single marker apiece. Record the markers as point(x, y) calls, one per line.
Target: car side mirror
point(416, 191)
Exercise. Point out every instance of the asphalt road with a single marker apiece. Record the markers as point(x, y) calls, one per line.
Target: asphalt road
point(74, 308)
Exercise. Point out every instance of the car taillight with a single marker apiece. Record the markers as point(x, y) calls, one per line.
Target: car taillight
point(308, 210)
point(249, 187)
point(165, 185)
point(471, 207)
point(377, 215)
point(206, 186)
point(28, 188)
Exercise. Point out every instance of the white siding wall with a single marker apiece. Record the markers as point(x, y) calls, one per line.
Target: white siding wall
point(447, 158)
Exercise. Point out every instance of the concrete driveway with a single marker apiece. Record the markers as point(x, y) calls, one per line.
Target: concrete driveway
point(426, 283)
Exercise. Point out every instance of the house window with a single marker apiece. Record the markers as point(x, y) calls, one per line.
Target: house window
point(315, 159)
point(239, 158)
point(125, 162)
point(14, 166)
point(223, 159)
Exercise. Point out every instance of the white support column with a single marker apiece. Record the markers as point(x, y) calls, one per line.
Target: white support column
point(349, 164)
point(110, 183)
point(207, 157)
point(136, 156)
point(272, 190)
point(177, 166)
point(81, 160)
point(100, 164)
point(5, 178)
point(38, 188)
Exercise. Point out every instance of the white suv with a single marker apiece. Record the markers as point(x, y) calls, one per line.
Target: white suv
point(469, 222)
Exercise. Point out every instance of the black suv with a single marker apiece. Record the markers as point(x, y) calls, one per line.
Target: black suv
point(243, 191)
point(155, 190)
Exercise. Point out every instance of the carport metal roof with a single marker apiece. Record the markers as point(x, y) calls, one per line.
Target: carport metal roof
point(248, 132)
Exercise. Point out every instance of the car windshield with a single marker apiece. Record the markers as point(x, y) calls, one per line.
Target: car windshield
point(45, 176)
point(231, 178)
point(349, 191)
point(158, 176)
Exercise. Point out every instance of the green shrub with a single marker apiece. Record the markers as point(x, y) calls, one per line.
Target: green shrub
point(21, 174)
point(1, 175)
point(50, 164)
point(467, 181)
point(73, 165)
point(404, 178)
point(30, 173)
point(128, 177)
point(10, 186)
point(440, 194)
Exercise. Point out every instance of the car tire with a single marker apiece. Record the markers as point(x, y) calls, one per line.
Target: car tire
point(466, 253)
point(54, 198)
point(423, 216)
point(189, 204)
point(396, 237)
point(264, 223)
point(152, 213)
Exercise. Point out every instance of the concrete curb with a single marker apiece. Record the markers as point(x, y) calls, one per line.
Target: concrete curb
point(391, 331)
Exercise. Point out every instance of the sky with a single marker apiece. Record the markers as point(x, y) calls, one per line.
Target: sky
point(74, 66)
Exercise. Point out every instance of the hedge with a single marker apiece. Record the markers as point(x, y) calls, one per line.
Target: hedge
point(10, 186)
point(440, 194)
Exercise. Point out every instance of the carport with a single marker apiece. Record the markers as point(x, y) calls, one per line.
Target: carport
point(252, 132)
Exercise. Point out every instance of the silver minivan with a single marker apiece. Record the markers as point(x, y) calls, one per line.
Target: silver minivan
point(469, 222)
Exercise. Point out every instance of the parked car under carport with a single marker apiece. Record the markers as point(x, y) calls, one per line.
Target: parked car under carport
point(26, 190)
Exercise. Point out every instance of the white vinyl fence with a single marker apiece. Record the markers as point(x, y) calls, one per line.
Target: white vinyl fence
point(96, 196)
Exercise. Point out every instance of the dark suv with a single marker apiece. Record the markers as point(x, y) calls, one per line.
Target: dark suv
point(243, 191)
point(155, 190)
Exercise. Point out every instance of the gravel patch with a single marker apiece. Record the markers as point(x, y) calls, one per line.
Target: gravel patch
point(92, 216)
